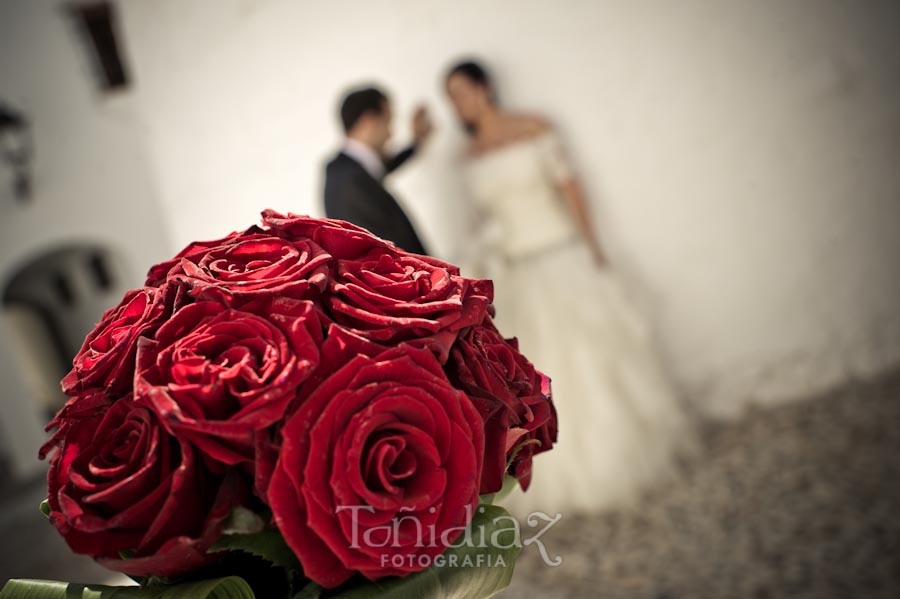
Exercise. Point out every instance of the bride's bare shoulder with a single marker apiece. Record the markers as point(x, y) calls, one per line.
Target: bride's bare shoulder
point(467, 152)
point(529, 125)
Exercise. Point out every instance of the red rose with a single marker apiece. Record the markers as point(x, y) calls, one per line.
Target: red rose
point(339, 238)
point(392, 297)
point(120, 484)
point(535, 435)
point(253, 266)
point(367, 443)
point(384, 441)
point(159, 273)
point(511, 396)
point(106, 360)
point(339, 347)
point(216, 374)
point(92, 404)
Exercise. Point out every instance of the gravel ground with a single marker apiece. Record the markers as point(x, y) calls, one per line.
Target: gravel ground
point(798, 501)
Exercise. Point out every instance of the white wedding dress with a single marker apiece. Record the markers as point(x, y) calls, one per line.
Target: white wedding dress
point(620, 423)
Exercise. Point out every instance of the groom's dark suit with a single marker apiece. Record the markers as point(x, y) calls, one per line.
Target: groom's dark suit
point(352, 194)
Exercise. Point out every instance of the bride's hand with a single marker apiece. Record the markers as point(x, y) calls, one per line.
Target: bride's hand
point(421, 124)
point(599, 257)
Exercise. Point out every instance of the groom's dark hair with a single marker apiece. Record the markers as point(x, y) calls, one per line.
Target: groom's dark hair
point(358, 102)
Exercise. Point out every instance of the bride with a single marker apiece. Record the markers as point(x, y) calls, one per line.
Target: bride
point(620, 424)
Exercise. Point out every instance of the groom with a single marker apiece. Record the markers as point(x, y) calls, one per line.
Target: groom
point(353, 179)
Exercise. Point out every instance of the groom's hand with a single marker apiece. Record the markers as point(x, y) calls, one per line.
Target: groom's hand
point(421, 125)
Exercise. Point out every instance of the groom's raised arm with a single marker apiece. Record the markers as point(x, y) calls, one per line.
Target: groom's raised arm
point(421, 126)
point(396, 161)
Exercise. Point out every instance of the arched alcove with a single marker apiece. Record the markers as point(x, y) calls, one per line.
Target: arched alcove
point(50, 302)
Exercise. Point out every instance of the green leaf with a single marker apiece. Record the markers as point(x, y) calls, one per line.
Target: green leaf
point(232, 587)
point(509, 483)
point(479, 572)
point(268, 544)
point(45, 507)
point(310, 591)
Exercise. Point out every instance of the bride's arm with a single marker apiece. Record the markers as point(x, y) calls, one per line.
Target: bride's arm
point(560, 171)
point(573, 193)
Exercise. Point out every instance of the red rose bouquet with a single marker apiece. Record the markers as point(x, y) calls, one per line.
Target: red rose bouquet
point(295, 410)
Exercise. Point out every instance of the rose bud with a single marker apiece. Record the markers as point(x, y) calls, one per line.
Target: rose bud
point(519, 417)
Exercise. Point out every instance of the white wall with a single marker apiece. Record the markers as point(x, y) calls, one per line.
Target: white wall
point(92, 182)
point(741, 156)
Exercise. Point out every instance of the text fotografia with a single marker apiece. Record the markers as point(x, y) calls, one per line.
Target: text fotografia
point(409, 560)
point(505, 533)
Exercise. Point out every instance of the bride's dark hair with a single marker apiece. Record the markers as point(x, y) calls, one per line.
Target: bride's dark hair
point(474, 72)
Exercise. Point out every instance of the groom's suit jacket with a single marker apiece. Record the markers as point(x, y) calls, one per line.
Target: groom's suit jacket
point(352, 194)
